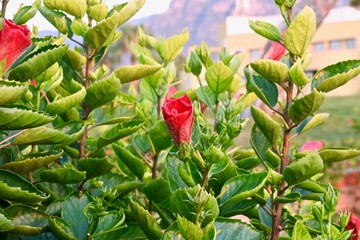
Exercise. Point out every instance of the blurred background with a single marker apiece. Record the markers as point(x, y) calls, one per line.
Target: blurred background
point(225, 24)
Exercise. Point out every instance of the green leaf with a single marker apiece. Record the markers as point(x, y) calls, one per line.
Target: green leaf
point(16, 119)
point(297, 74)
point(189, 230)
point(160, 136)
point(60, 228)
point(303, 107)
point(127, 187)
point(134, 163)
point(269, 127)
point(49, 74)
point(259, 143)
point(157, 190)
point(241, 187)
point(32, 162)
point(37, 62)
point(119, 131)
point(314, 121)
point(103, 33)
point(27, 220)
point(62, 175)
point(98, 12)
point(206, 95)
point(300, 232)
point(172, 164)
point(74, 59)
point(5, 224)
point(75, 8)
point(50, 79)
point(15, 188)
point(266, 30)
point(193, 202)
point(107, 224)
point(219, 77)
point(41, 135)
point(114, 114)
point(300, 32)
point(61, 105)
point(11, 91)
point(311, 186)
point(289, 198)
point(136, 72)
point(274, 71)
point(263, 88)
point(235, 229)
point(102, 91)
point(146, 221)
point(336, 75)
point(303, 169)
point(73, 214)
point(129, 10)
point(25, 13)
point(95, 167)
point(58, 19)
point(173, 46)
point(330, 155)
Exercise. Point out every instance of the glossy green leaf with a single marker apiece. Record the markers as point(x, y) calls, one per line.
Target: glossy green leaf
point(300, 232)
point(263, 88)
point(160, 136)
point(5, 224)
point(189, 230)
point(219, 77)
point(27, 220)
point(50, 82)
point(259, 143)
point(134, 163)
point(103, 33)
point(303, 169)
point(330, 155)
point(73, 214)
point(26, 13)
point(241, 187)
point(266, 30)
point(289, 198)
point(15, 188)
point(37, 62)
point(98, 12)
point(297, 74)
point(172, 46)
point(146, 221)
point(127, 187)
point(119, 131)
point(336, 75)
point(235, 229)
point(157, 190)
point(94, 167)
point(272, 70)
point(16, 119)
point(102, 91)
point(74, 59)
point(190, 202)
point(311, 185)
point(314, 121)
point(41, 135)
point(269, 127)
point(129, 10)
point(136, 72)
point(172, 164)
point(75, 8)
point(58, 19)
point(11, 91)
point(62, 175)
point(107, 224)
point(49, 74)
point(114, 114)
point(206, 95)
point(303, 107)
point(300, 32)
point(61, 105)
point(32, 162)
point(60, 228)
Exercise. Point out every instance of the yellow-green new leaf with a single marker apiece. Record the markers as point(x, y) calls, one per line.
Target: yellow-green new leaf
point(41, 135)
point(297, 74)
point(330, 155)
point(266, 30)
point(268, 126)
point(315, 121)
point(75, 8)
point(11, 91)
point(173, 46)
point(62, 175)
point(25, 13)
point(5, 224)
point(75, 60)
point(300, 232)
point(274, 71)
point(132, 73)
point(129, 10)
point(219, 77)
point(300, 32)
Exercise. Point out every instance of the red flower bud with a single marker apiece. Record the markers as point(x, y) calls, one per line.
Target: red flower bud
point(179, 118)
point(276, 51)
point(311, 146)
point(14, 39)
point(353, 224)
point(171, 91)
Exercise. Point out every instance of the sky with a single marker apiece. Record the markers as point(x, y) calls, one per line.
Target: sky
point(151, 7)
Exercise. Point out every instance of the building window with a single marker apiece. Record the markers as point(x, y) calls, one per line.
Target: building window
point(335, 45)
point(318, 46)
point(255, 53)
point(350, 43)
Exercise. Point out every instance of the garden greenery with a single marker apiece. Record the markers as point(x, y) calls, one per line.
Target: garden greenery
point(80, 158)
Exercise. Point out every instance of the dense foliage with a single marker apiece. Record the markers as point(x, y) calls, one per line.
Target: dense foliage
point(82, 159)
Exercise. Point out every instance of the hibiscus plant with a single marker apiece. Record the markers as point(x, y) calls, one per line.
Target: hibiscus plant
point(86, 153)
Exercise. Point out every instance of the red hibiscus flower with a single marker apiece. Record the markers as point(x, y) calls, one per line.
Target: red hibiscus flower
point(276, 51)
point(353, 224)
point(171, 91)
point(179, 118)
point(14, 39)
point(311, 146)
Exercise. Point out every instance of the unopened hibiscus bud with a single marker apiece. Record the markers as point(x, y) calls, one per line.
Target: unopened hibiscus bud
point(194, 64)
point(14, 39)
point(179, 118)
point(318, 212)
point(354, 225)
point(275, 52)
point(312, 146)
